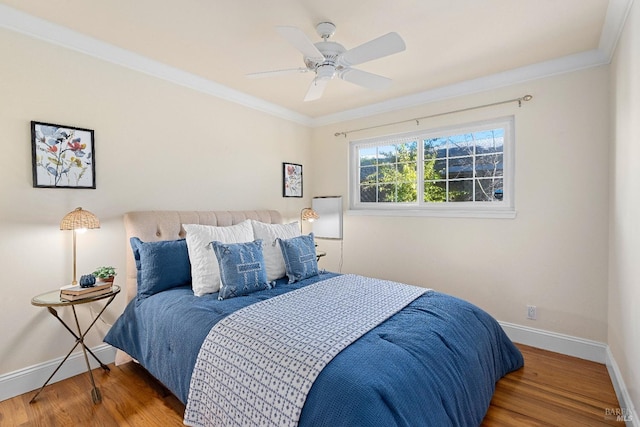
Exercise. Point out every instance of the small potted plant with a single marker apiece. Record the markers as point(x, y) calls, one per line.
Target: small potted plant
point(105, 274)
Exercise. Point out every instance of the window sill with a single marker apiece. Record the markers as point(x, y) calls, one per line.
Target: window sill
point(438, 213)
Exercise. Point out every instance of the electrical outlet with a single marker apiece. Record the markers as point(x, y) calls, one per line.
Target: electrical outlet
point(532, 312)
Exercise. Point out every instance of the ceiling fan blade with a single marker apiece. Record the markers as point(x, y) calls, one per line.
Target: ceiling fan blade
point(316, 89)
point(300, 41)
point(261, 74)
point(365, 79)
point(377, 48)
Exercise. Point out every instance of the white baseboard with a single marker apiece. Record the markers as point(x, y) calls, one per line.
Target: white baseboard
point(560, 343)
point(584, 349)
point(32, 377)
point(630, 416)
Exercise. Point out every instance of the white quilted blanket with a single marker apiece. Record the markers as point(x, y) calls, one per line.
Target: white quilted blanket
point(258, 364)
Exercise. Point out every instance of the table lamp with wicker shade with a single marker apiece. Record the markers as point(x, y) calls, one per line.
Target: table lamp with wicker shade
point(309, 215)
point(78, 220)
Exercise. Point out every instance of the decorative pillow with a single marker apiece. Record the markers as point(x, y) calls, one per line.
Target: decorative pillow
point(270, 233)
point(242, 268)
point(299, 256)
point(160, 265)
point(205, 272)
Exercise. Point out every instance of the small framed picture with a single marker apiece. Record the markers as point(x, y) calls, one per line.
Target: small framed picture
point(291, 180)
point(63, 156)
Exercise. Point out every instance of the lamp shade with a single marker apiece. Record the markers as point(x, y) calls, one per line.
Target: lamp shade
point(79, 219)
point(308, 214)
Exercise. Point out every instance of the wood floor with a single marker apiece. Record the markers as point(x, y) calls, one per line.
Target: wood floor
point(554, 390)
point(551, 390)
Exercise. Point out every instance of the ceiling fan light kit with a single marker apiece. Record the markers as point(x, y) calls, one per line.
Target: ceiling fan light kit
point(325, 71)
point(329, 59)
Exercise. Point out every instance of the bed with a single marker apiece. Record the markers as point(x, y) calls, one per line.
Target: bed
point(431, 359)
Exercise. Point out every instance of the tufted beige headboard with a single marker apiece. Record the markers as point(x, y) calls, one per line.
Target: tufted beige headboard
point(152, 226)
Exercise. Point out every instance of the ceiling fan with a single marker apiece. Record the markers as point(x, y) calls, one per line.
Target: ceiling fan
point(329, 59)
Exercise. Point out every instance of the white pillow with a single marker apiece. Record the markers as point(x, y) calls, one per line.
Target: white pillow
point(269, 233)
point(205, 271)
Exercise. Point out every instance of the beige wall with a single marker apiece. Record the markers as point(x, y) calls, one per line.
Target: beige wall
point(553, 255)
point(624, 253)
point(161, 146)
point(158, 146)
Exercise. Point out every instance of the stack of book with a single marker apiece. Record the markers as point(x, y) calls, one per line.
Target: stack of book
point(76, 292)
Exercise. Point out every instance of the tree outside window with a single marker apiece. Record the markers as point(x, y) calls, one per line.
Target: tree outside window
point(462, 166)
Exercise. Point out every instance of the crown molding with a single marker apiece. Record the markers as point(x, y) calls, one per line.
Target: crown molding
point(29, 25)
point(32, 26)
point(540, 70)
point(617, 13)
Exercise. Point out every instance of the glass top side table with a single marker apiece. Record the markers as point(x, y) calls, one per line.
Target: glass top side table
point(51, 300)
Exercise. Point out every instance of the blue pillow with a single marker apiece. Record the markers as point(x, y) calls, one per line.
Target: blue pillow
point(160, 265)
point(299, 255)
point(242, 269)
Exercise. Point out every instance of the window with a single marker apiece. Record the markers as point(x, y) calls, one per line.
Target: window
point(458, 171)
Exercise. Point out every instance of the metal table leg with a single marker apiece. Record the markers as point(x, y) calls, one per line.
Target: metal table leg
point(96, 396)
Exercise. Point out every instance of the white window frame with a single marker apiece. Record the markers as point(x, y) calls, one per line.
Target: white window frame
point(493, 209)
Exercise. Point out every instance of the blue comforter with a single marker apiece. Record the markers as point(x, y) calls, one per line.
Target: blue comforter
point(434, 363)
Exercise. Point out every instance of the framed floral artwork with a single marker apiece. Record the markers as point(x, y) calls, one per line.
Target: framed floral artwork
point(63, 156)
point(291, 180)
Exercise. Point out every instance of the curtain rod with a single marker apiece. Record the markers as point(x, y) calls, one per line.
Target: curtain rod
point(417, 120)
